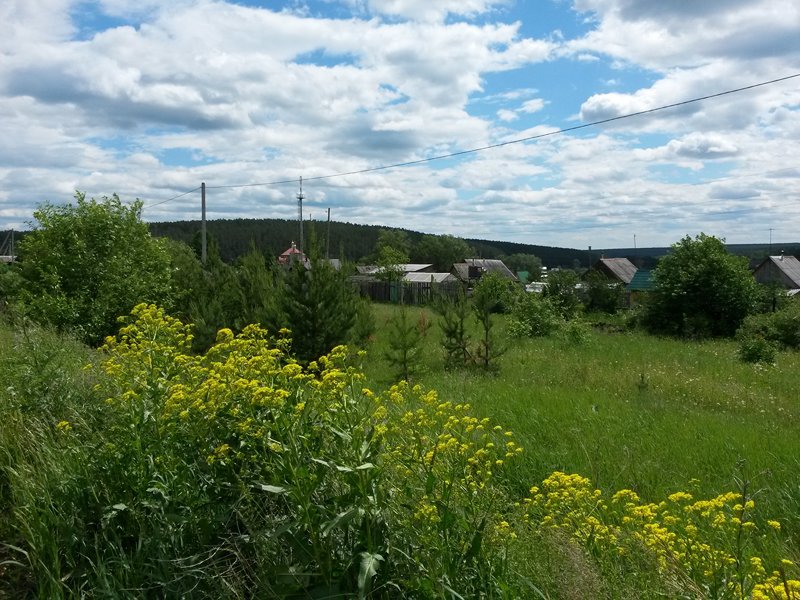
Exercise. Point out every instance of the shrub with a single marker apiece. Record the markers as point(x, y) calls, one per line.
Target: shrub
point(755, 349)
point(363, 324)
point(87, 263)
point(496, 293)
point(534, 316)
point(278, 480)
point(405, 337)
point(760, 336)
point(454, 312)
point(602, 294)
point(319, 307)
point(703, 544)
point(563, 291)
point(700, 290)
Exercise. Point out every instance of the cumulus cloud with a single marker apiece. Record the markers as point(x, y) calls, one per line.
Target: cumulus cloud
point(428, 10)
point(149, 99)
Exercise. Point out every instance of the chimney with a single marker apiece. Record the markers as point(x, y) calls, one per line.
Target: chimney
point(781, 258)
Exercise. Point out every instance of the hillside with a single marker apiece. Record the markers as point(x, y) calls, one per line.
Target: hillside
point(355, 242)
point(273, 236)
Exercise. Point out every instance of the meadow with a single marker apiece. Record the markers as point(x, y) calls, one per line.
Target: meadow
point(631, 410)
point(601, 463)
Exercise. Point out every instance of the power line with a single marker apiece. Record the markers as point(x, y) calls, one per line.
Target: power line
point(515, 141)
point(170, 199)
point(493, 146)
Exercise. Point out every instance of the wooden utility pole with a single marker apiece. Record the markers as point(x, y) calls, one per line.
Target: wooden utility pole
point(300, 213)
point(328, 237)
point(203, 247)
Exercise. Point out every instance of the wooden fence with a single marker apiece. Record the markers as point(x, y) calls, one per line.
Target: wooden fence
point(404, 292)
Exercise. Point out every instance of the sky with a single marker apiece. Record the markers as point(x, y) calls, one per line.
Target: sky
point(149, 99)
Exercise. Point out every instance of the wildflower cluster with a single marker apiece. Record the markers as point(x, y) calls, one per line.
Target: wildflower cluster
point(446, 463)
point(342, 474)
point(708, 541)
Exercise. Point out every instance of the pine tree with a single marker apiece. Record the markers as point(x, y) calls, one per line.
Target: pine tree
point(319, 305)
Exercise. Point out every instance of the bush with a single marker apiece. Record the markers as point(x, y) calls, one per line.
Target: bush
point(496, 293)
point(602, 294)
point(534, 316)
point(278, 480)
point(363, 324)
point(87, 263)
point(700, 290)
point(762, 335)
point(239, 473)
point(755, 349)
point(563, 292)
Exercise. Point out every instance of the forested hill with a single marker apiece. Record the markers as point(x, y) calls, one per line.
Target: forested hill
point(648, 257)
point(357, 242)
point(273, 236)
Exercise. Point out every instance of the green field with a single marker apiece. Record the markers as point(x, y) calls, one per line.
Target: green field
point(109, 485)
point(630, 410)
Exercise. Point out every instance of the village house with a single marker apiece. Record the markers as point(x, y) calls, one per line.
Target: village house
point(781, 270)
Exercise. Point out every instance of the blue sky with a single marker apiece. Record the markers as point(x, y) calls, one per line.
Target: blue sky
point(148, 99)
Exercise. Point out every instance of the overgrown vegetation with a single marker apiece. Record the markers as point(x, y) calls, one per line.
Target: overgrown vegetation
point(85, 264)
point(223, 458)
point(240, 473)
point(700, 290)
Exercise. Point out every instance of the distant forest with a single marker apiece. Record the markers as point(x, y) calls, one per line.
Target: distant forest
point(233, 237)
point(356, 243)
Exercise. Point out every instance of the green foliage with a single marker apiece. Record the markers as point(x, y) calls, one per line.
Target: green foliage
point(395, 239)
point(11, 284)
point(781, 327)
point(87, 263)
point(454, 312)
point(390, 264)
point(602, 294)
point(700, 290)
point(405, 335)
point(525, 262)
point(484, 304)
point(754, 349)
point(363, 323)
point(762, 335)
point(534, 316)
point(562, 292)
point(496, 293)
point(239, 473)
point(217, 303)
point(441, 250)
point(319, 306)
point(186, 276)
point(259, 288)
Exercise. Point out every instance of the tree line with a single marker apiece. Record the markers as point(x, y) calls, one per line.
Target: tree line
point(87, 263)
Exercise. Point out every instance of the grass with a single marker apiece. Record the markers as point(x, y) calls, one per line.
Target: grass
point(625, 409)
point(630, 410)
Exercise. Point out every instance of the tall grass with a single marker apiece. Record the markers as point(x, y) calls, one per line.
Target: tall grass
point(239, 474)
point(630, 410)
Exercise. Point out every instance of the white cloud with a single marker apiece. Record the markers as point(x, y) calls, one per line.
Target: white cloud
point(665, 35)
point(429, 10)
point(532, 106)
point(256, 95)
point(507, 115)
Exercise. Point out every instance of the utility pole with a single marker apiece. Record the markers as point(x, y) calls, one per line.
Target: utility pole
point(203, 247)
point(328, 237)
point(300, 197)
point(634, 241)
